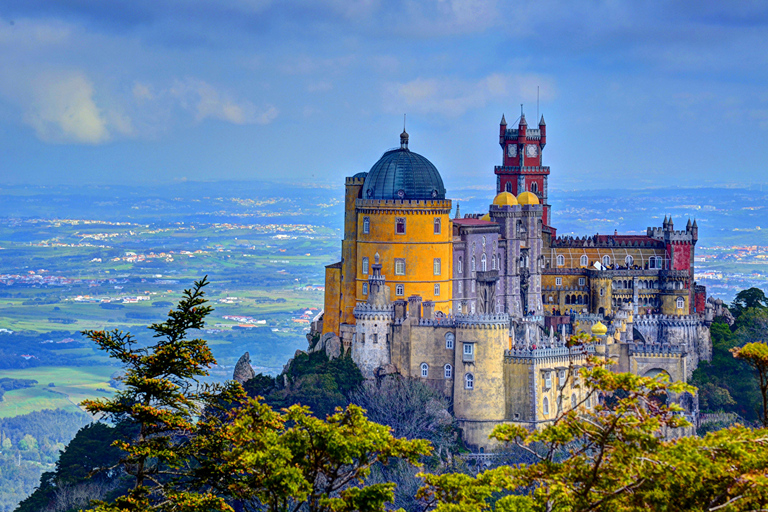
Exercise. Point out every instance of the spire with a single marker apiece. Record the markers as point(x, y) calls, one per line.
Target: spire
point(503, 121)
point(458, 214)
point(695, 226)
point(523, 122)
point(665, 221)
point(542, 123)
point(688, 226)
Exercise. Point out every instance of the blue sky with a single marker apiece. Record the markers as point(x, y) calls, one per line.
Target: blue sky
point(634, 93)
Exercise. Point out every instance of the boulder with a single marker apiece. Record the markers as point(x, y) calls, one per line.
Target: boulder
point(243, 370)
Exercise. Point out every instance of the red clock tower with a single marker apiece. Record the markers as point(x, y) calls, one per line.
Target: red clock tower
point(522, 170)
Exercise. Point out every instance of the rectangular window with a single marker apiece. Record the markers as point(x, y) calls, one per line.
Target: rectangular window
point(365, 288)
point(558, 281)
point(547, 380)
point(459, 287)
point(437, 225)
point(366, 225)
point(437, 290)
point(469, 352)
point(399, 290)
point(436, 266)
point(365, 265)
point(400, 225)
point(582, 281)
point(375, 337)
point(399, 267)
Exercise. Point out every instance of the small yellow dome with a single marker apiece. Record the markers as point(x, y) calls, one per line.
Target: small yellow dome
point(599, 329)
point(527, 198)
point(505, 199)
point(487, 216)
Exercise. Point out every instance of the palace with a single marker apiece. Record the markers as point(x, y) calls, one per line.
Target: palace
point(479, 306)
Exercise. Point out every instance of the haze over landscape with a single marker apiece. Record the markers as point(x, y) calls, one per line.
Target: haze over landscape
point(146, 144)
point(668, 93)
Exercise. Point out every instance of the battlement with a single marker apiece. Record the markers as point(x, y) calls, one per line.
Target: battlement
point(516, 354)
point(516, 169)
point(687, 320)
point(365, 311)
point(656, 349)
point(530, 134)
point(404, 204)
point(477, 320)
point(608, 241)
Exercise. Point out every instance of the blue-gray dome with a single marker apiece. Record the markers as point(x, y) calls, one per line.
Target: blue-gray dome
point(403, 174)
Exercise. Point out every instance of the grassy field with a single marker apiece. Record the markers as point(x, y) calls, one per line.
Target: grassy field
point(71, 386)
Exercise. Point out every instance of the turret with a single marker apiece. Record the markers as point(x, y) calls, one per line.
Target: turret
point(521, 129)
point(665, 224)
point(695, 230)
point(502, 130)
point(543, 131)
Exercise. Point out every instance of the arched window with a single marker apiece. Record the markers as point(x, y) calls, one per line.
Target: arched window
point(545, 406)
point(573, 401)
point(534, 187)
point(629, 260)
point(459, 287)
point(437, 225)
point(399, 289)
point(365, 288)
point(508, 187)
point(567, 299)
point(469, 381)
point(449, 340)
point(493, 262)
point(473, 263)
point(680, 303)
point(606, 261)
point(366, 225)
point(448, 371)
point(436, 264)
point(459, 266)
point(484, 262)
point(424, 370)
point(560, 260)
point(583, 261)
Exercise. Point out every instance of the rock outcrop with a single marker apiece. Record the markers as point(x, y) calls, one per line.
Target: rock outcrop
point(243, 371)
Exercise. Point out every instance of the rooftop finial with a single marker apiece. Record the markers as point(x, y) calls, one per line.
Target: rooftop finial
point(404, 136)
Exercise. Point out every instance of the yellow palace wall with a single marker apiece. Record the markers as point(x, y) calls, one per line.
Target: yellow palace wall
point(418, 246)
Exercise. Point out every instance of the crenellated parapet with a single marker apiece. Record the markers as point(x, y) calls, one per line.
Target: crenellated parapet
point(404, 206)
point(656, 349)
point(483, 321)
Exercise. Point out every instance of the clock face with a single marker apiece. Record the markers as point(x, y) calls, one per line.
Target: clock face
point(531, 150)
point(512, 150)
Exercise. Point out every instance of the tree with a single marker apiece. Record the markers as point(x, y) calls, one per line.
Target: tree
point(752, 325)
point(746, 299)
point(162, 397)
point(756, 355)
point(200, 448)
point(292, 461)
point(615, 457)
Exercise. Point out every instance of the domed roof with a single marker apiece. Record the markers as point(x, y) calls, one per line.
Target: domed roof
point(403, 174)
point(527, 198)
point(487, 216)
point(505, 199)
point(599, 329)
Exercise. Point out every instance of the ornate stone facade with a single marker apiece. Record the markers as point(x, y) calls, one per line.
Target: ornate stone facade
point(480, 306)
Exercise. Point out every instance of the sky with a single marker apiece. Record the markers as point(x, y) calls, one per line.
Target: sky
point(152, 92)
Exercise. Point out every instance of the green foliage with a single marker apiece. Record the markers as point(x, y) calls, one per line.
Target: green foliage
point(286, 461)
point(756, 356)
point(161, 394)
point(614, 458)
point(724, 377)
point(752, 325)
point(746, 299)
point(311, 379)
point(91, 448)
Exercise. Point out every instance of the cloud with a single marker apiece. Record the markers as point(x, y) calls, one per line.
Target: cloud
point(453, 97)
point(63, 109)
point(207, 102)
